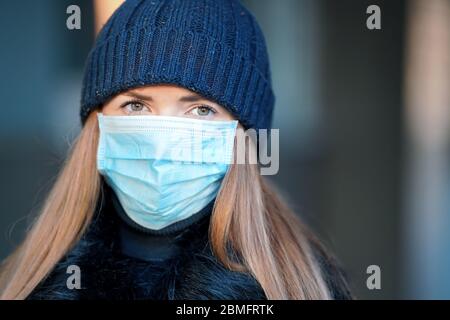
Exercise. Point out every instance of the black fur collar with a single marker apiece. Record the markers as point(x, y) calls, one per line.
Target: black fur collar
point(106, 273)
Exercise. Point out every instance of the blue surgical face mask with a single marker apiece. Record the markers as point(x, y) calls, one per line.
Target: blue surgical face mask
point(164, 169)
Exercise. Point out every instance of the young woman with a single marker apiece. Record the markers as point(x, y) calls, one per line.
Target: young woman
point(130, 213)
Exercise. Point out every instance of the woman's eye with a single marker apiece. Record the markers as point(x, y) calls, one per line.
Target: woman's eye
point(135, 107)
point(203, 111)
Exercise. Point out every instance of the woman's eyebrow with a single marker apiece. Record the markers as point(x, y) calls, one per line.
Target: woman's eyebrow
point(138, 96)
point(191, 98)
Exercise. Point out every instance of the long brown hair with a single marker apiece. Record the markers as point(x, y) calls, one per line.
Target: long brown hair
point(251, 229)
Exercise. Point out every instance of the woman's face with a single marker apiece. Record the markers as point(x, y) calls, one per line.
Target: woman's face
point(165, 100)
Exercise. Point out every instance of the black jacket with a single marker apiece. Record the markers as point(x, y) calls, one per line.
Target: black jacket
point(189, 272)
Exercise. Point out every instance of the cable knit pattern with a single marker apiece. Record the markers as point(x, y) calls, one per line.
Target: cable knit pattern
point(212, 47)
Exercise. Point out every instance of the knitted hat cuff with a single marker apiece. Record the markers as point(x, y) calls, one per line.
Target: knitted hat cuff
point(140, 57)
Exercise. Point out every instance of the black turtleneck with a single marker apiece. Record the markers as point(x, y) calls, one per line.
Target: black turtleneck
point(146, 244)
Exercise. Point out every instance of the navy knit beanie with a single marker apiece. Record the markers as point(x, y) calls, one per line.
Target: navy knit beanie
point(212, 47)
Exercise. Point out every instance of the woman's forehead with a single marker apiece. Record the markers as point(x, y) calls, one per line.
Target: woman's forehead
point(171, 89)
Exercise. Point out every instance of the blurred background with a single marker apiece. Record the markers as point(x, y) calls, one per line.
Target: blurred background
point(364, 118)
